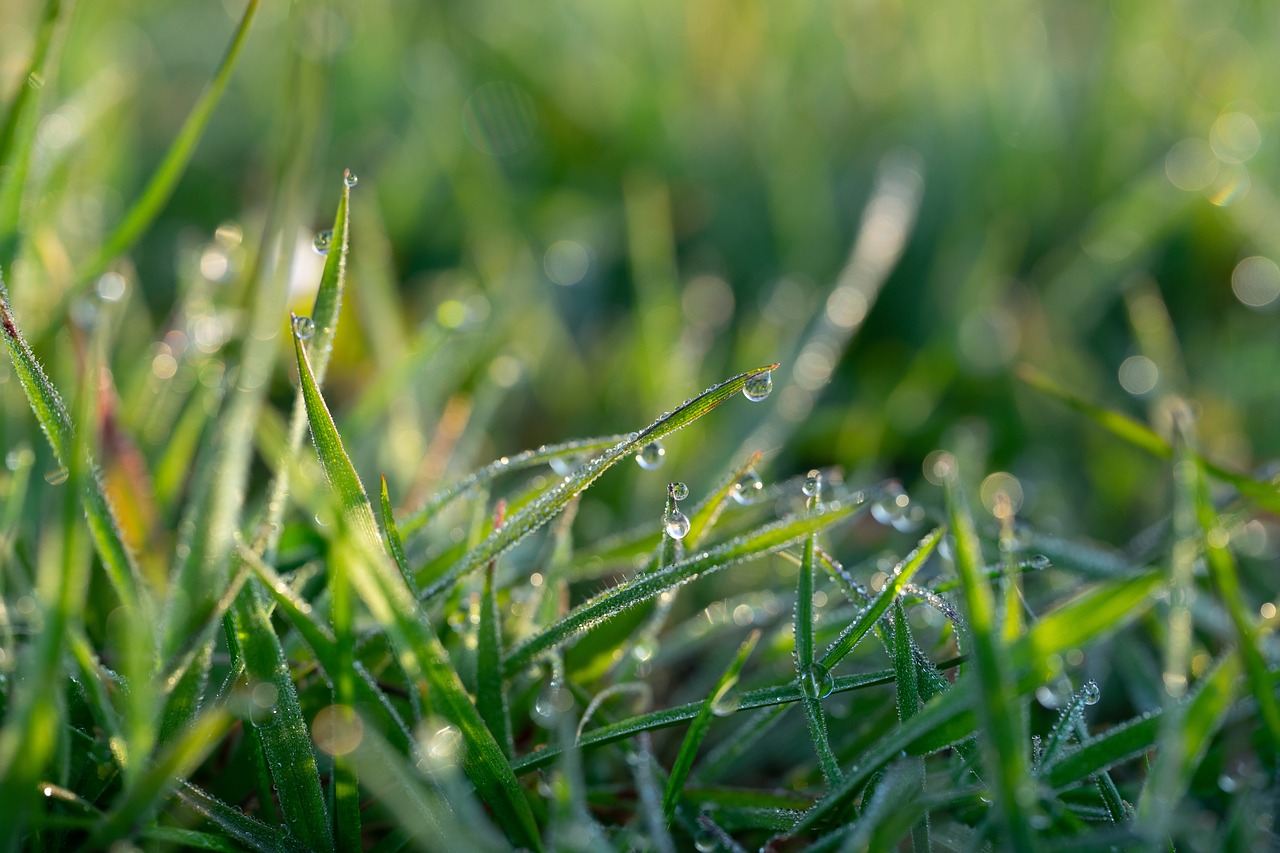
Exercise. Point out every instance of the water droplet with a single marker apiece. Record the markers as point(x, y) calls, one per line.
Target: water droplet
point(643, 651)
point(349, 178)
point(1227, 783)
point(812, 484)
point(757, 387)
point(553, 701)
point(705, 841)
point(1039, 562)
point(564, 465)
point(322, 241)
point(677, 524)
point(20, 458)
point(678, 491)
point(57, 476)
point(1046, 696)
point(816, 682)
point(650, 456)
point(748, 489)
point(890, 508)
point(1090, 693)
point(726, 703)
point(304, 327)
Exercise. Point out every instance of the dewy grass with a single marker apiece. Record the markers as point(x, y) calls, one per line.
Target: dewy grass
point(533, 656)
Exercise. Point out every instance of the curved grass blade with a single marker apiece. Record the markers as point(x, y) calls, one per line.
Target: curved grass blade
point(548, 453)
point(761, 541)
point(902, 574)
point(705, 515)
point(324, 319)
point(1265, 495)
point(751, 699)
point(700, 725)
point(1005, 746)
point(391, 602)
point(395, 545)
point(51, 413)
point(167, 174)
point(18, 134)
point(529, 518)
point(240, 827)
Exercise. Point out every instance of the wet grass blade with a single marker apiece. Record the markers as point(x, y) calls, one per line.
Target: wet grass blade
point(491, 689)
point(1265, 495)
point(527, 519)
point(391, 602)
point(167, 174)
point(757, 543)
point(751, 699)
point(902, 574)
point(812, 680)
point(908, 694)
point(324, 328)
point(1006, 749)
point(246, 830)
point(395, 545)
point(700, 725)
point(705, 515)
point(52, 416)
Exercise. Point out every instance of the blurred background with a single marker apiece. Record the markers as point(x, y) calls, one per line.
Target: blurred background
point(573, 215)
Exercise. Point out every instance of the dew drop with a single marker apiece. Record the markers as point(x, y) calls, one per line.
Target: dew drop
point(304, 327)
point(1047, 697)
point(757, 387)
point(812, 484)
point(705, 841)
point(677, 524)
point(564, 465)
point(322, 241)
point(1039, 562)
point(727, 703)
point(816, 682)
point(57, 476)
point(1090, 693)
point(349, 178)
point(678, 491)
point(748, 489)
point(553, 701)
point(890, 509)
point(650, 456)
point(20, 458)
point(643, 651)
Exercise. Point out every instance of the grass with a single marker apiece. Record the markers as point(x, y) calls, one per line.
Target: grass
point(1012, 604)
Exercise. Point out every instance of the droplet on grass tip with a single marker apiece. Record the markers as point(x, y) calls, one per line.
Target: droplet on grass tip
point(748, 489)
point(727, 703)
point(650, 456)
point(1090, 693)
point(677, 524)
point(757, 387)
point(551, 703)
point(322, 241)
point(349, 178)
point(304, 327)
point(678, 491)
point(816, 681)
point(812, 484)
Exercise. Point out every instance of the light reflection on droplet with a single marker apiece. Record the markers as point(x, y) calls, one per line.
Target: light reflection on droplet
point(1001, 483)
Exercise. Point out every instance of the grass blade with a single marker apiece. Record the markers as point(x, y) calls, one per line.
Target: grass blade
point(908, 690)
point(491, 691)
point(246, 830)
point(1140, 435)
point(705, 515)
point(529, 518)
point(611, 602)
point(701, 724)
point(167, 174)
point(902, 574)
point(813, 681)
point(391, 602)
point(1006, 749)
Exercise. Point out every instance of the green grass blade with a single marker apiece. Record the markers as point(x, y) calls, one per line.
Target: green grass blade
point(566, 451)
point(1226, 577)
point(395, 545)
point(700, 725)
point(901, 575)
point(908, 694)
point(1140, 435)
point(491, 690)
point(52, 416)
point(812, 680)
point(1006, 749)
point(324, 320)
point(282, 733)
point(179, 758)
point(167, 174)
point(751, 699)
point(238, 826)
point(18, 133)
point(705, 515)
point(611, 602)
point(529, 518)
point(391, 602)
point(346, 795)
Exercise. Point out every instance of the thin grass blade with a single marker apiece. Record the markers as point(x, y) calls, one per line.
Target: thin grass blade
point(757, 543)
point(529, 518)
point(246, 830)
point(701, 724)
point(811, 679)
